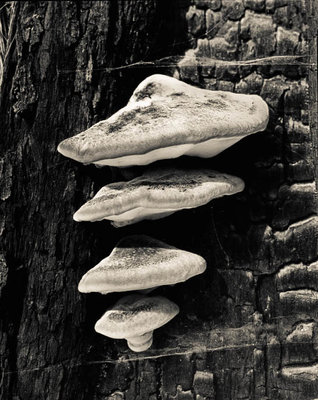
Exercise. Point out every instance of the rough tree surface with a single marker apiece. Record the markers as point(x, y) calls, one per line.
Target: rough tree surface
point(248, 327)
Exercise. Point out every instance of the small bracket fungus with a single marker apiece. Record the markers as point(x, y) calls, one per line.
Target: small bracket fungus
point(166, 118)
point(156, 194)
point(140, 262)
point(134, 318)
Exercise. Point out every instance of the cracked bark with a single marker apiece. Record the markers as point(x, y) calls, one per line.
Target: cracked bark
point(248, 327)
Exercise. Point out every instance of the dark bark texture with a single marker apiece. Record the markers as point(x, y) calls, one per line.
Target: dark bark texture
point(248, 327)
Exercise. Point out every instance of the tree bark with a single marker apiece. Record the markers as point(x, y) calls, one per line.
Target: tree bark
point(247, 327)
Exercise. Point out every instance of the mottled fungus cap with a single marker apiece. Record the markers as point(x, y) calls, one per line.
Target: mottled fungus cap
point(140, 262)
point(135, 315)
point(157, 193)
point(166, 118)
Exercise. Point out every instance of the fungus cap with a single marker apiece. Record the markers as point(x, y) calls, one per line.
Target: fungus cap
point(140, 262)
point(134, 318)
point(167, 118)
point(156, 194)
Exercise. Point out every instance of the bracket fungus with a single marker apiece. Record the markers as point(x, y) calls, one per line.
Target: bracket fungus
point(156, 194)
point(134, 318)
point(167, 118)
point(140, 262)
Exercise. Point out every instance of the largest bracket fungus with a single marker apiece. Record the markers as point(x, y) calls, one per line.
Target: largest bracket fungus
point(134, 318)
point(140, 262)
point(166, 118)
point(156, 194)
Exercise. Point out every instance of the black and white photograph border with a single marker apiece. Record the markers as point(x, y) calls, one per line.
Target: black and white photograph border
point(158, 200)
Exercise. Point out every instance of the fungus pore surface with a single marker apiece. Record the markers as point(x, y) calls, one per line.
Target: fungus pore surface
point(140, 262)
point(134, 318)
point(166, 118)
point(156, 194)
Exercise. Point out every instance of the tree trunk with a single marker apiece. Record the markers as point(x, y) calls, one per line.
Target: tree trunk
point(248, 327)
